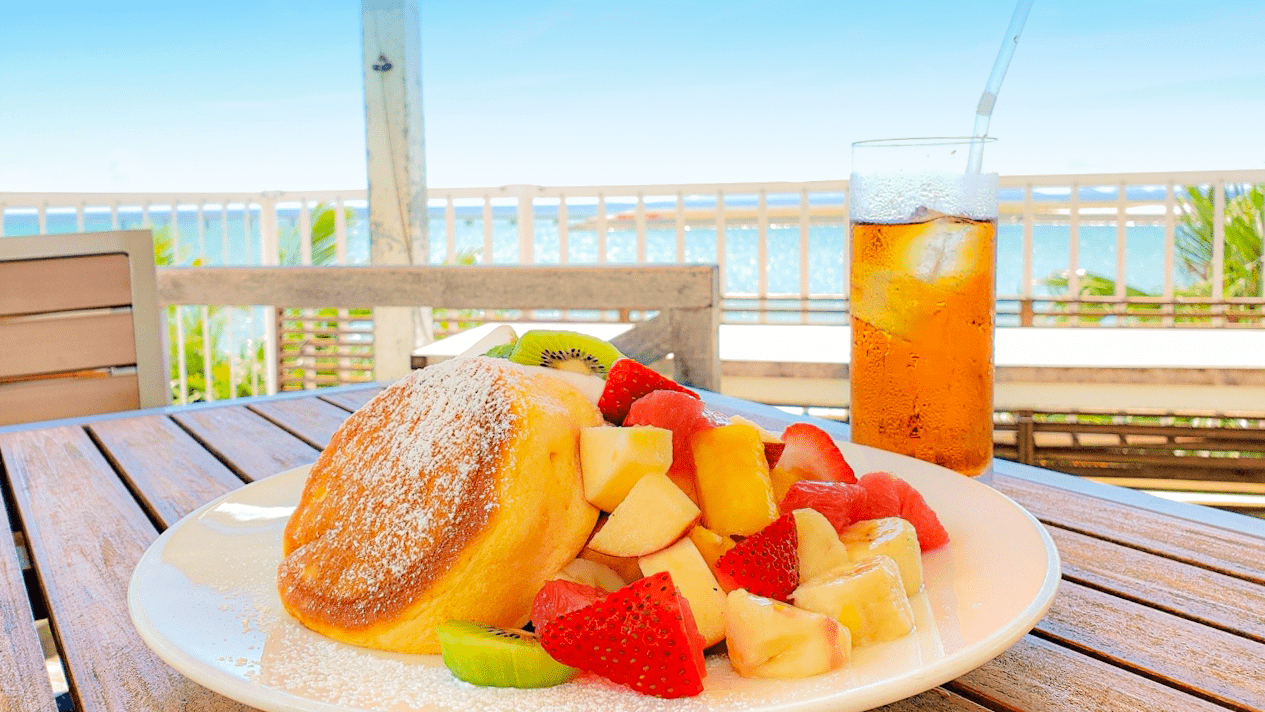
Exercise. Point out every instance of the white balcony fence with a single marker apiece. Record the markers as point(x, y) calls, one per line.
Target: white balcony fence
point(781, 247)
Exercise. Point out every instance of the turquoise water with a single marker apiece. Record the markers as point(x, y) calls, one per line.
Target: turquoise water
point(1144, 256)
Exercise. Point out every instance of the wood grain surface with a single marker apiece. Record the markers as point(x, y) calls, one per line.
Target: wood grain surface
point(170, 472)
point(24, 683)
point(86, 533)
point(1190, 591)
point(352, 400)
point(1188, 655)
point(934, 700)
point(1037, 675)
point(312, 420)
point(465, 287)
point(250, 445)
point(1229, 552)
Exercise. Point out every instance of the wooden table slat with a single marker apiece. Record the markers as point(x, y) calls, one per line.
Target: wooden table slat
point(1230, 552)
point(312, 420)
point(936, 699)
point(1186, 654)
point(1190, 591)
point(250, 445)
point(24, 684)
point(86, 533)
point(1037, 675)
point(169, 470)
point(352, 400)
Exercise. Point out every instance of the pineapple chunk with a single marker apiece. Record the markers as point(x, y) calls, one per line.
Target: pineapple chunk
point(868, 597)
point(734, 491)
point(819, 547)
point(891, 536)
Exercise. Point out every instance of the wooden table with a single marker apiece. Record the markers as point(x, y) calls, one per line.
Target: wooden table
point(1162, 605)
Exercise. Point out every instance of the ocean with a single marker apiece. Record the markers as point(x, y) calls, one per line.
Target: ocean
point(1144, 249)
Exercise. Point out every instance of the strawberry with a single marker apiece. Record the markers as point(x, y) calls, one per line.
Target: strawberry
point(643, 636)
point(773, 452)
point(765, 563)
point(628, 380)
point(558, 597)
point(811, 454)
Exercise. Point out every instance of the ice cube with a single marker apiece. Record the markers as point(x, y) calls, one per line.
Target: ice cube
point(945, 252)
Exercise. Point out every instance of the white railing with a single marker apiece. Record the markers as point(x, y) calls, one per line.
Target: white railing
point(780, 246)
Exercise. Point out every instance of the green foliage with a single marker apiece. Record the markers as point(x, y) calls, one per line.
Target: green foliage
point(249, 359)
point(1193, 247)
point(324, 237)
point(1244, 227)
point(196, 345)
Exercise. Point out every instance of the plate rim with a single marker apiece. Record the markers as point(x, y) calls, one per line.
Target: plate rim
point(927, 677)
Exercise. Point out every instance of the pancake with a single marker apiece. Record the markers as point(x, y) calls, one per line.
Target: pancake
point(454, 493)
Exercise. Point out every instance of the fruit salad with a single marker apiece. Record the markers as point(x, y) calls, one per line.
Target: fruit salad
point(714, 532)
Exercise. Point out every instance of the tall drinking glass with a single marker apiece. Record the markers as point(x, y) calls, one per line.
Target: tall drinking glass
point(923, 253)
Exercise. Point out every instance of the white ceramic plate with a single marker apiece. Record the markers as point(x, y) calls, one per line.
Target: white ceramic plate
point(204, 598)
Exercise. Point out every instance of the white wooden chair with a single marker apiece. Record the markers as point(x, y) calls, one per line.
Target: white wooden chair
point(80, 326)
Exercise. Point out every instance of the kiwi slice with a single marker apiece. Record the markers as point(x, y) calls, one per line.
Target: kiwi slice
point(498, 657)
point(500, 351)
point(565, 350)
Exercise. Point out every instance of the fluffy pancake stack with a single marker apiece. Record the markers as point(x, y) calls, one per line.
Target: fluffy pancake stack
point(455, 493)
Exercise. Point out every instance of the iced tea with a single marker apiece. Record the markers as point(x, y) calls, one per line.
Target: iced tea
point(922, 302)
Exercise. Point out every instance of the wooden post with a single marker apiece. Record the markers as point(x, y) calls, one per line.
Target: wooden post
point(397, 176)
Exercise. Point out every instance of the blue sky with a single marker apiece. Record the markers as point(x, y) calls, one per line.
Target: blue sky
point(267, 95)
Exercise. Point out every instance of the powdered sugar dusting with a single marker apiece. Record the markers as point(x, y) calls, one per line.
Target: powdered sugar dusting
point(310, 666)
point(407, 482)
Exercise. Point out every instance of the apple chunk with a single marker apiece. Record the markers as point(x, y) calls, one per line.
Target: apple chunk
point(694, 578)
point(653, 515)
point(612, 460)
point(767, 638)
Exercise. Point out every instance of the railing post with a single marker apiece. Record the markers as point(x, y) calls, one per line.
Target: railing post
point(639, 215)
point(1025, 437)
point(1029, 220)
point(601, 228)
point(1122, 248)
point(526, 226)
point(1218, 251)
point(270, 254)
point(805, 283)
point(450, 230)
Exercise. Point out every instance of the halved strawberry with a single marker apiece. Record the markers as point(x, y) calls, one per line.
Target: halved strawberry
point(773, 452)
point(643, 636)
point(559, 597)
point(628, 380)
point(765, 563)
point(811, 454)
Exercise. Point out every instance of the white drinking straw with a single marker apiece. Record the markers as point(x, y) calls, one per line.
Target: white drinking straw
point(984, 111)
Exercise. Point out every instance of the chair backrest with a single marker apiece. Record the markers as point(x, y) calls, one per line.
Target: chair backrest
point(80, 327)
